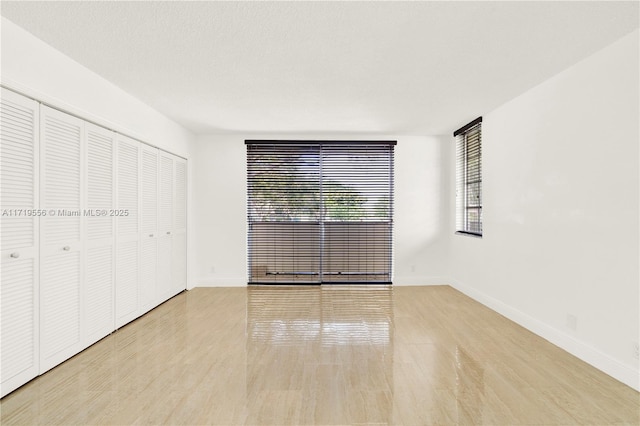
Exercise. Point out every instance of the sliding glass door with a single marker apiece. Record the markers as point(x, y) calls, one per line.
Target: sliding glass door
point(320, 212)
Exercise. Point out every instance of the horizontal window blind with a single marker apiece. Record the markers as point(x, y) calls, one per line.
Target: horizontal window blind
point(283, 213)
point(320, 212)
point(469, 178)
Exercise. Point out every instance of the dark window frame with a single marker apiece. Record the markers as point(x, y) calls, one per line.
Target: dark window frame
point(283, 179)
point(469, 203)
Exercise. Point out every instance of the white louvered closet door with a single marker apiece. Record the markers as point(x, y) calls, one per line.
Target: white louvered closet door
point(100, 233)
point(19, 243)
point(148, 227)
point(127, 289)
point(165, 226)
point(61, 246)
point(179, 246)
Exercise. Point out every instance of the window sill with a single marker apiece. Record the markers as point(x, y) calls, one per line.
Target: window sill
point(469, 234)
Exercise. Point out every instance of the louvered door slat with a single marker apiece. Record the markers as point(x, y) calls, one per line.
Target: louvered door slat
point(17, 146)
point(16, 111)
point(18, 124)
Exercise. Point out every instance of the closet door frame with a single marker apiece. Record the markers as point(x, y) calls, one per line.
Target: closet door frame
point(179, 275)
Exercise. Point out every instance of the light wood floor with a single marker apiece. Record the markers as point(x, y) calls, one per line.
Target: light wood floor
point(311, 355)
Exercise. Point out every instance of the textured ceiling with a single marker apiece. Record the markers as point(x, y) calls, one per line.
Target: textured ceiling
point(345, 67)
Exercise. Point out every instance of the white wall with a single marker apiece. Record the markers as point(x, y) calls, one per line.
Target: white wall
point(422, 213)
point(561, 213)
point(221, 214)
point(35, 69)
point(421, 208)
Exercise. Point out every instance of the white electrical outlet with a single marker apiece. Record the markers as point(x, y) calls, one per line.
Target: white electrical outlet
point(636, 350)
point(572, 322)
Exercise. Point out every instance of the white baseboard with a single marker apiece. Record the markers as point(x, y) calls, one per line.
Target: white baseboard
point(233, 281)
point(401, 281)
point(603, 362)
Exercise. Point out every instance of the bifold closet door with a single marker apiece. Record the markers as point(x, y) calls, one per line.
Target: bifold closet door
point(19, 121)
point(149, 227)
point(99, 233)
point(61, 189)
point(127, 288)
point(165, 227)
point(179, 246)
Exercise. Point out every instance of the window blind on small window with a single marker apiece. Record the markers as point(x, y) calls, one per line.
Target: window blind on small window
point(320, 212)
point(469, 178)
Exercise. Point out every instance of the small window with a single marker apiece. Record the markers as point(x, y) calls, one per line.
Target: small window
point(469, 178)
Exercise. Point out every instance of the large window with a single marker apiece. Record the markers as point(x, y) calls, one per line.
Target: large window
point(319, 212)
point(469, 178)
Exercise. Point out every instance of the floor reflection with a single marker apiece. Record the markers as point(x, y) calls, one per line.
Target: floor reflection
point(469, 388)
point(324, 353)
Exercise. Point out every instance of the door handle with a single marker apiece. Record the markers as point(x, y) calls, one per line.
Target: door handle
point(15, 255)
point(66, 248)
